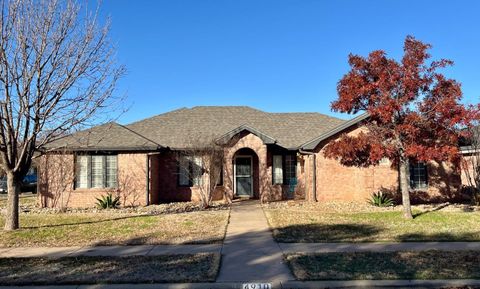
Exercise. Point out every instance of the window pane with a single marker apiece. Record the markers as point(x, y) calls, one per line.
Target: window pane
point(111, 171)
point(290, 169)
point(97, 172)
point(220, 176)
point(197, 168)
point(243, 166)
point(277, 169)
point(81, 172)
point(184, 172)
point(418, 175)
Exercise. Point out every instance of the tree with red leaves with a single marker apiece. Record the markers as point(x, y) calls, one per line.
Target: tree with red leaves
point(415, 114)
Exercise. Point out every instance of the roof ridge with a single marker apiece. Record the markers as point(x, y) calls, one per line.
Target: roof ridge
point(160, 114)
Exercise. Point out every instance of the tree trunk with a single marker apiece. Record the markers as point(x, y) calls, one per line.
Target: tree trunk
point(11, 217)
point(405, 188)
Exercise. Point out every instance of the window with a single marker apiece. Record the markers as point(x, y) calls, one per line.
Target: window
point(190, 171)
point(277, 170)
point(220, 176)
point(290, 169)
point(418, 175)
point(284, 169)
point(96, 171)
point(82, 172)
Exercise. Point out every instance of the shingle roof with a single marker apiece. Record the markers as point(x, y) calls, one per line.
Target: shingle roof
point(185, 127)
point(109, 136)
point(178, 128)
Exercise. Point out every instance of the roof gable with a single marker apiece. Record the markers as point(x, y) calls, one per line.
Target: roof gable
point(264, 137)
point(310, 145)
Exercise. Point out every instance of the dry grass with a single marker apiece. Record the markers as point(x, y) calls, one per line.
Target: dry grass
point(342, 223)
point(87, 270)
point(386, 265)
point(113, 228)
point(26, 201)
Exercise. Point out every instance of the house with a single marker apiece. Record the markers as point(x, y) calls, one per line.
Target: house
point(268, 156)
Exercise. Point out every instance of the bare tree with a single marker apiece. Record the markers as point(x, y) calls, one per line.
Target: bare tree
point(57, 71)
point(55, 179)
point(202, 166)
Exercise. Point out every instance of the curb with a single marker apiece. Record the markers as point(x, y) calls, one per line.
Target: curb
point(275, 285)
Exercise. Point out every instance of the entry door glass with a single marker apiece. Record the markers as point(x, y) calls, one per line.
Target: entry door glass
point(243, 172)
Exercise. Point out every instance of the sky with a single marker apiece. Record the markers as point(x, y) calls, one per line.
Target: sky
point(274, 55)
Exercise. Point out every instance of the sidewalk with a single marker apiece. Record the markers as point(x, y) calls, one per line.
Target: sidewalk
point(250, 237)
point(249, 251)
point(277, 285)
point(145, 250)
point(377, 247)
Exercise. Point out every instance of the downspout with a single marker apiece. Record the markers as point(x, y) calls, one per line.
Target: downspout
point(314, 178)
point(148, 179)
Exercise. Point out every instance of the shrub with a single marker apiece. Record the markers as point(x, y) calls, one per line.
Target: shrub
point(108, 202)
point(380, 199)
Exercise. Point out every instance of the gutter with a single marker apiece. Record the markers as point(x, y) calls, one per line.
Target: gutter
point(314, 179)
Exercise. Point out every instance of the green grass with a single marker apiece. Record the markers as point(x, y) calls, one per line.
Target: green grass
point(385, 265)
point(107, 228)
point(201, 267)
point(297, 225)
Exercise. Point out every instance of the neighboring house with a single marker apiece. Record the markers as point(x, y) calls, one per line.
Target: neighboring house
point(269, 156)
point(471, 159)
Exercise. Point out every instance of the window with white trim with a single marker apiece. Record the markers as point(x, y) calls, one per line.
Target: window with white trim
point(96, 171)
point(190, 170)
point(418, 176)
point(277, 170)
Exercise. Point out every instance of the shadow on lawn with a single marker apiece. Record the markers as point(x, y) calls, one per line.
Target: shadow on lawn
point(320, 233)
point(386, 265)
point(130, 216)
point(325, 233)
point(437, 208)
point(98, 221)
point(437, 237)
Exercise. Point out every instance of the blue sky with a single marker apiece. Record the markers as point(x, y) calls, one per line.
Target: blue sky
point(275, 55)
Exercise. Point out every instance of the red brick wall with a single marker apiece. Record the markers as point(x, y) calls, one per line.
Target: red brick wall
point(56, 182)
point(337, 182)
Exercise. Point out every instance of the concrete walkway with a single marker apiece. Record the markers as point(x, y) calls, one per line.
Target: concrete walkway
point(145, 250)
point(249, 251)
point(377, 247)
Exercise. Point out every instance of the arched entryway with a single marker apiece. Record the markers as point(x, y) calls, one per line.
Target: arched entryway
point(245, 174)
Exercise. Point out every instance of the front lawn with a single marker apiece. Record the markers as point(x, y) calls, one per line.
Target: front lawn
point(201, 267)
point(117, 227)
point(25, 200)
point(318, 223)
point(386, 265)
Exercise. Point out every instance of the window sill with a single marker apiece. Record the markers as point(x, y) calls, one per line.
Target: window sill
point(93, 189)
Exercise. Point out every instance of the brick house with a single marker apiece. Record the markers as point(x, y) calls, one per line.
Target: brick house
point(268, 156)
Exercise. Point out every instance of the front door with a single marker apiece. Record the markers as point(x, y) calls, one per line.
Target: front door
point(243, 176)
